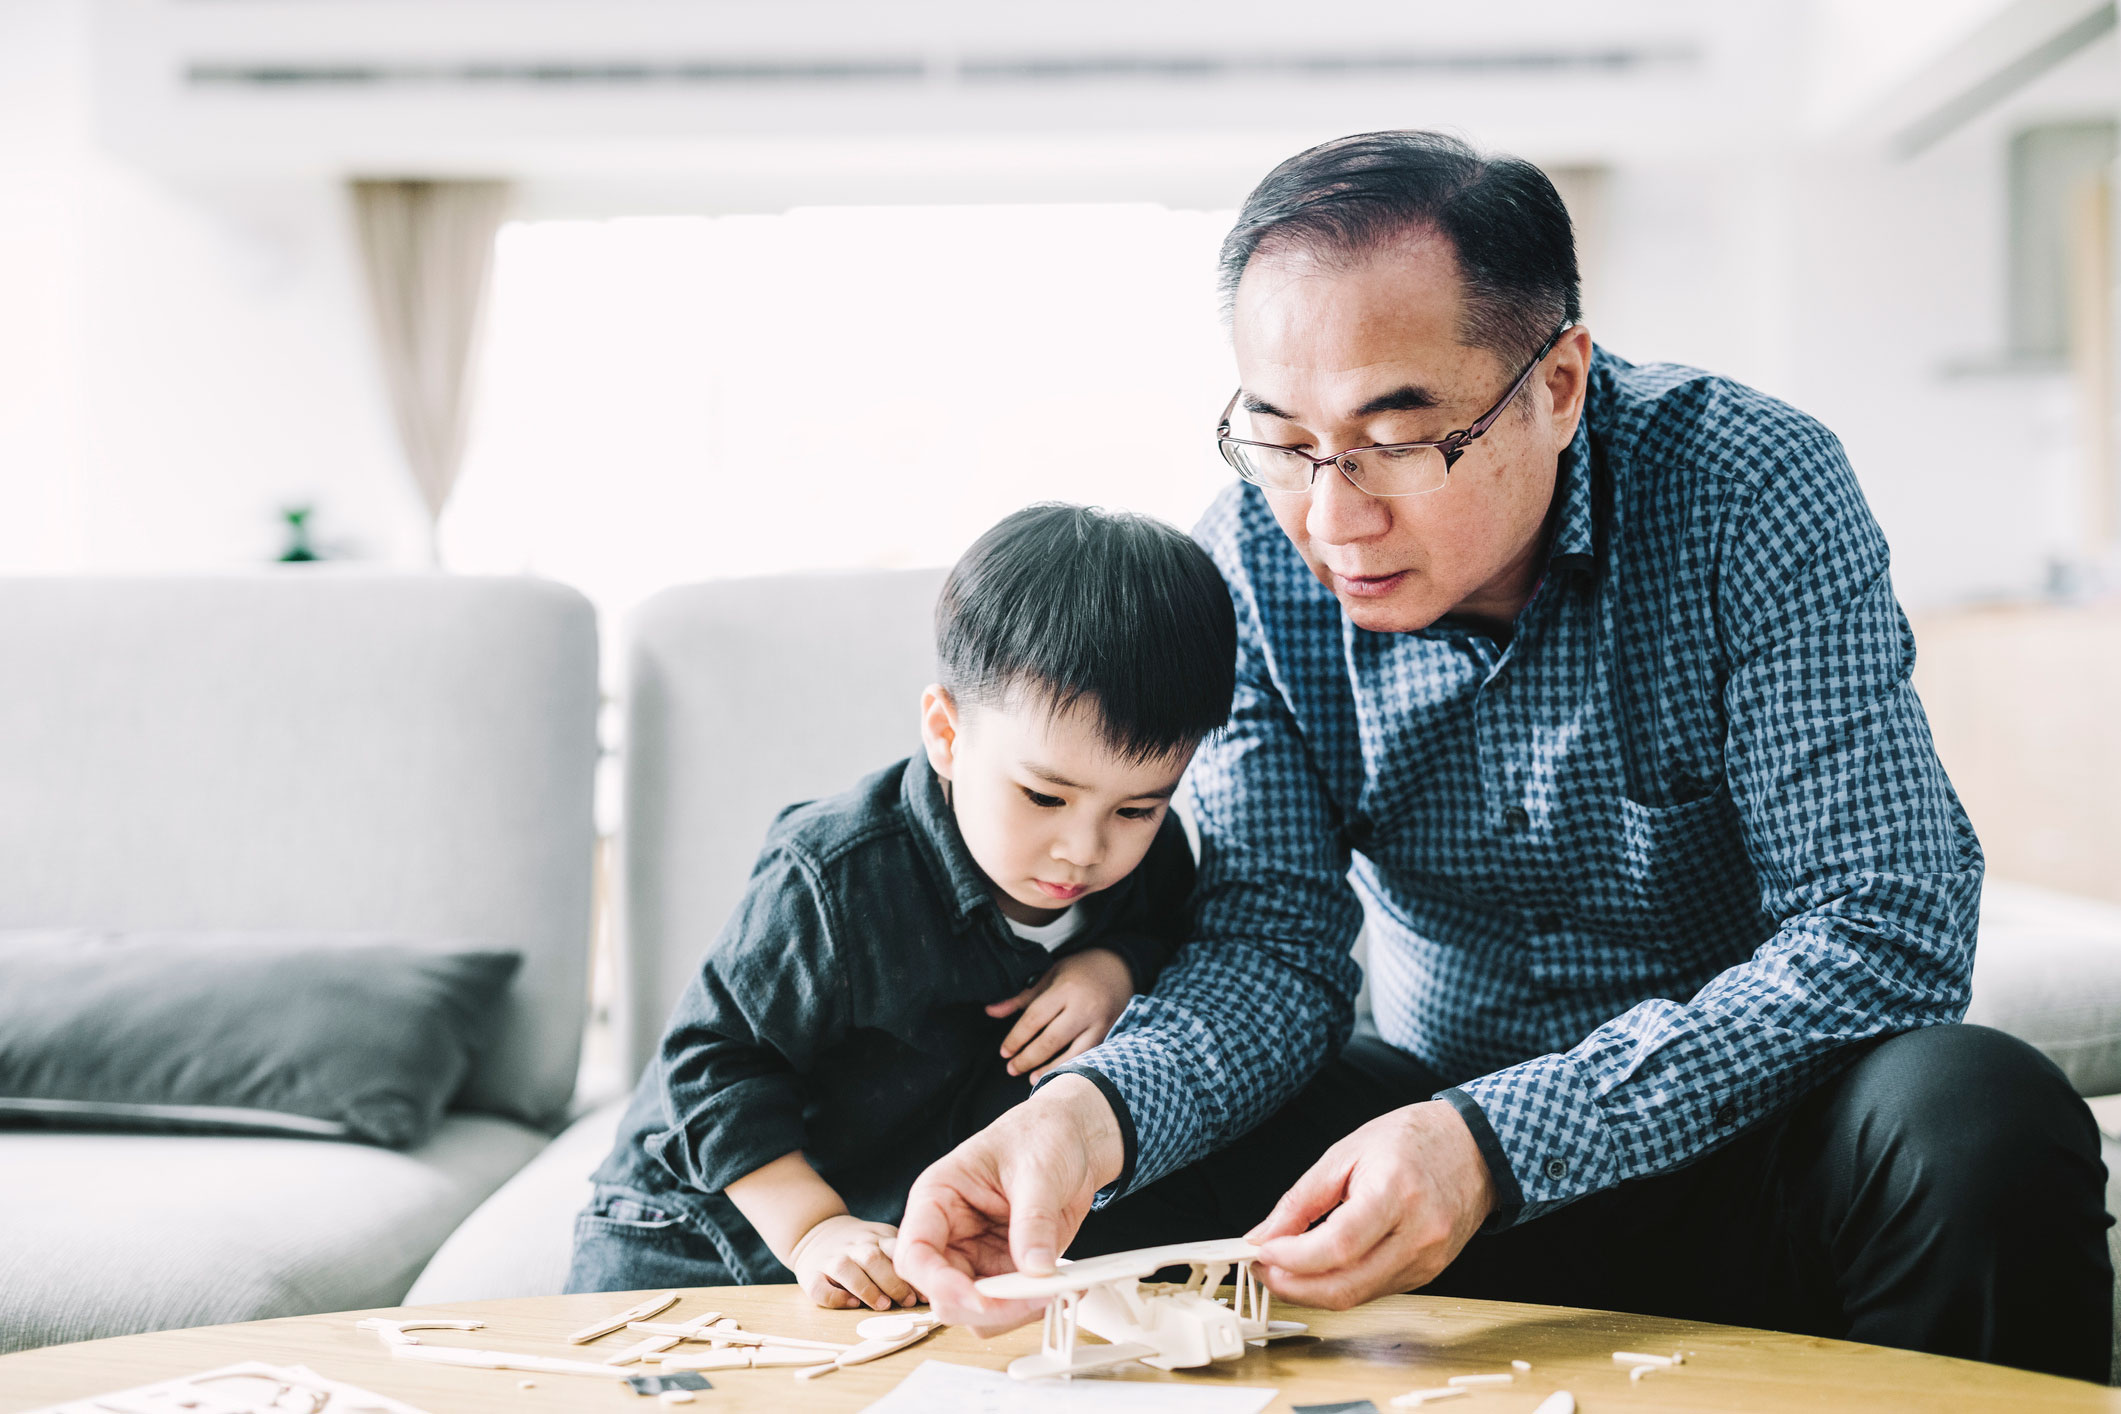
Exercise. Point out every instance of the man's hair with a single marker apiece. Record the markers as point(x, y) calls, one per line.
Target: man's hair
point(1344, 200)
point(1070, 606)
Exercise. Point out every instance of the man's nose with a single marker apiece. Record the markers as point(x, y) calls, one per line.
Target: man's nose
point(1342, 512)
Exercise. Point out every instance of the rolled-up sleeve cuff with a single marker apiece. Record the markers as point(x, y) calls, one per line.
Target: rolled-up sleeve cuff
point(1130, 1144)
point(1509, 1198)
point(1545, 1121)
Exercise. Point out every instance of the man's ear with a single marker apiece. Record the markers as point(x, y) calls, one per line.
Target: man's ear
point(1568, 379)
point(939, 729)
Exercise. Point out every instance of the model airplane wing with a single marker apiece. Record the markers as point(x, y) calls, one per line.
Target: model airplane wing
point(1118, 1266)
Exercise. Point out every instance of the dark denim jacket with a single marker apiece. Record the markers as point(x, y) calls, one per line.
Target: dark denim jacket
point(840, 1012)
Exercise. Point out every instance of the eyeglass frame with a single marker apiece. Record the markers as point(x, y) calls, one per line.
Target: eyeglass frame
point(1452, 445)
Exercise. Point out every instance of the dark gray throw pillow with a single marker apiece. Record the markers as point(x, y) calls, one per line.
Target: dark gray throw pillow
point(341, 1036)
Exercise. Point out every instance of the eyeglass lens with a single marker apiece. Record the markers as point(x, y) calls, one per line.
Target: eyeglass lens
point(1395, 471)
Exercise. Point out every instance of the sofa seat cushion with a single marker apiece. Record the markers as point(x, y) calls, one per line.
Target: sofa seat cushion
point(109, 1234)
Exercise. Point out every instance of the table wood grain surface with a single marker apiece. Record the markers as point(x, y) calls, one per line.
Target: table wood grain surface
point(1385, 1348)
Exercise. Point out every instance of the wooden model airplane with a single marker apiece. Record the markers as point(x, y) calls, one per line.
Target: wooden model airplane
point(1168, 1329)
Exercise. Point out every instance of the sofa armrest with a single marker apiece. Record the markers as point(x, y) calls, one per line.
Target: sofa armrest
point(518, 1242)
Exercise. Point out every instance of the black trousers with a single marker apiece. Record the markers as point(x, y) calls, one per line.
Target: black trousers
point(1944, 1193)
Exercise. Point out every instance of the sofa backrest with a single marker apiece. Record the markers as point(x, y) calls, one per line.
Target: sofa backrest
point(316, 750)
point(742, 697)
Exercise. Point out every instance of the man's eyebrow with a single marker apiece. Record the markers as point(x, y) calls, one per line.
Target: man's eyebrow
point(1052, 777)
point(1408, 397)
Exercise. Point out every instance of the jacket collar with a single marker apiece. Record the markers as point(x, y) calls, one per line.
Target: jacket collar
point(941, 843)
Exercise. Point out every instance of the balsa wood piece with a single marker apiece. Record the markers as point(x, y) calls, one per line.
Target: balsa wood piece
point(504, 1360)
point(887, 1335)
point(743, 1357)
point(734, 1336)
point(657, 1344)
point(639, 1311)
point(394, 1332)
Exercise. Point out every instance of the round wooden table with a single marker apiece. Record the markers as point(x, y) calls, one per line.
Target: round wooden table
point(1385, 1348)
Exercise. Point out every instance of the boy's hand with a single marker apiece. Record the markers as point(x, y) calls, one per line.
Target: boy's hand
point(841, 1264)
point(1065, 1012)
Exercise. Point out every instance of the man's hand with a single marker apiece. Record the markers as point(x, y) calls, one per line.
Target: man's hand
point(841, 1264)
point(1008, 1199)
point(1065, 1012)
point(1404, 1193)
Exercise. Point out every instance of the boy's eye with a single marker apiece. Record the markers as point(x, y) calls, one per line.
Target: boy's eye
point(1137, 812)
point(1043, 802)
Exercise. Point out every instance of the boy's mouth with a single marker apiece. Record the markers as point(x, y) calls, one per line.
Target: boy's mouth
point(1061, 892)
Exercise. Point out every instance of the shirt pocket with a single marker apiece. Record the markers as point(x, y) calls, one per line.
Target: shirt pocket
point(1680, 874)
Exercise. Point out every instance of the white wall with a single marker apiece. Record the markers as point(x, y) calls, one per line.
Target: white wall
point(184, 349)
point(178, 362)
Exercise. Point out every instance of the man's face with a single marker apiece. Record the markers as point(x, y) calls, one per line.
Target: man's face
point(1048, 810)
point(1334, 358)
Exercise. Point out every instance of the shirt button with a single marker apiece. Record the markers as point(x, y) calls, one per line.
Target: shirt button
point(1549, 922)
point(1516, 817)
point(1557, 1170)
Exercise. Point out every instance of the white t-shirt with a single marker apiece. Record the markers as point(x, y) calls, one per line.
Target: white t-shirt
point(1050, 935)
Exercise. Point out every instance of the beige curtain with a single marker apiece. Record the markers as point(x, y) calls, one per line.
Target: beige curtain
point(427, 249)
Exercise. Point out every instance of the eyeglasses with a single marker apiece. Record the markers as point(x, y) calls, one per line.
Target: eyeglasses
point(1390, 469)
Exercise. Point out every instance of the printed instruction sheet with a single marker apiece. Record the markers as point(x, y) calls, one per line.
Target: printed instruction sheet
point(938, 1387)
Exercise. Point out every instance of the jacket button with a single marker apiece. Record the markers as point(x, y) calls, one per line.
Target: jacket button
point(1726, 1114)
point(1516, 817)
point(1557, 1170)
point(1548, 922)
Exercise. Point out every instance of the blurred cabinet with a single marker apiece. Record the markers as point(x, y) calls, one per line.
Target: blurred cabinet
point(2025, 704)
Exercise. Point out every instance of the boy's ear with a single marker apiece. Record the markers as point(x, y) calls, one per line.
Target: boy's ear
point(939, 729)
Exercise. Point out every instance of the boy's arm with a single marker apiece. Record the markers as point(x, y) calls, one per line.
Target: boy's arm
point(838, 1259)
point(783, 1201)
point(768, 1000)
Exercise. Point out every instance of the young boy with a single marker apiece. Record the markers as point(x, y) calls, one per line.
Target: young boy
point(853, 1022)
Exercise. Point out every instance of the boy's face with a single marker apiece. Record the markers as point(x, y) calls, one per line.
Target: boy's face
point(1050, 812)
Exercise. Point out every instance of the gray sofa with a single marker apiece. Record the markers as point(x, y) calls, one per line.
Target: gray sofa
point(315, 751)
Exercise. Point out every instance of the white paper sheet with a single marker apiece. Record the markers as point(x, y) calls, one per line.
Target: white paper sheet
point(941, 1388)
point(249, 1388)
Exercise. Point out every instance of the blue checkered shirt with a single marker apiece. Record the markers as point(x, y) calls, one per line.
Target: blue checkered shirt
point(1634, 879)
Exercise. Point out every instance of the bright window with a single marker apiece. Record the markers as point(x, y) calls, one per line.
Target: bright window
point(668, 399)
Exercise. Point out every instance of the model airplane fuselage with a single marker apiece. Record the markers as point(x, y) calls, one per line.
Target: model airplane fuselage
point(1171, 1330)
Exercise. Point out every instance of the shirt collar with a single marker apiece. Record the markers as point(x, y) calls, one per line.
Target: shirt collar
point(935, 827)
point(1574, 543)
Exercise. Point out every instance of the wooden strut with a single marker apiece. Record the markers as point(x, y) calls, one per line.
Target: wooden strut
point(639, 1311)
point(915, 1329)
point(733, 1336)
point(657, 1344)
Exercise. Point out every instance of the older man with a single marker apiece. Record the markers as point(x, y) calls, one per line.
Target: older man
point(1583, 686)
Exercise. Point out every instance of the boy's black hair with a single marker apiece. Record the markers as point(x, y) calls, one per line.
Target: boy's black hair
point(1076, 605)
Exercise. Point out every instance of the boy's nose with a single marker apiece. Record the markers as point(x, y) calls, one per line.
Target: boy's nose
point(1081, 848)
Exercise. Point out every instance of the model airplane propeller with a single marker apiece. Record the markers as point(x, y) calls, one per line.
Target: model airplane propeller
point(1168, 1329)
